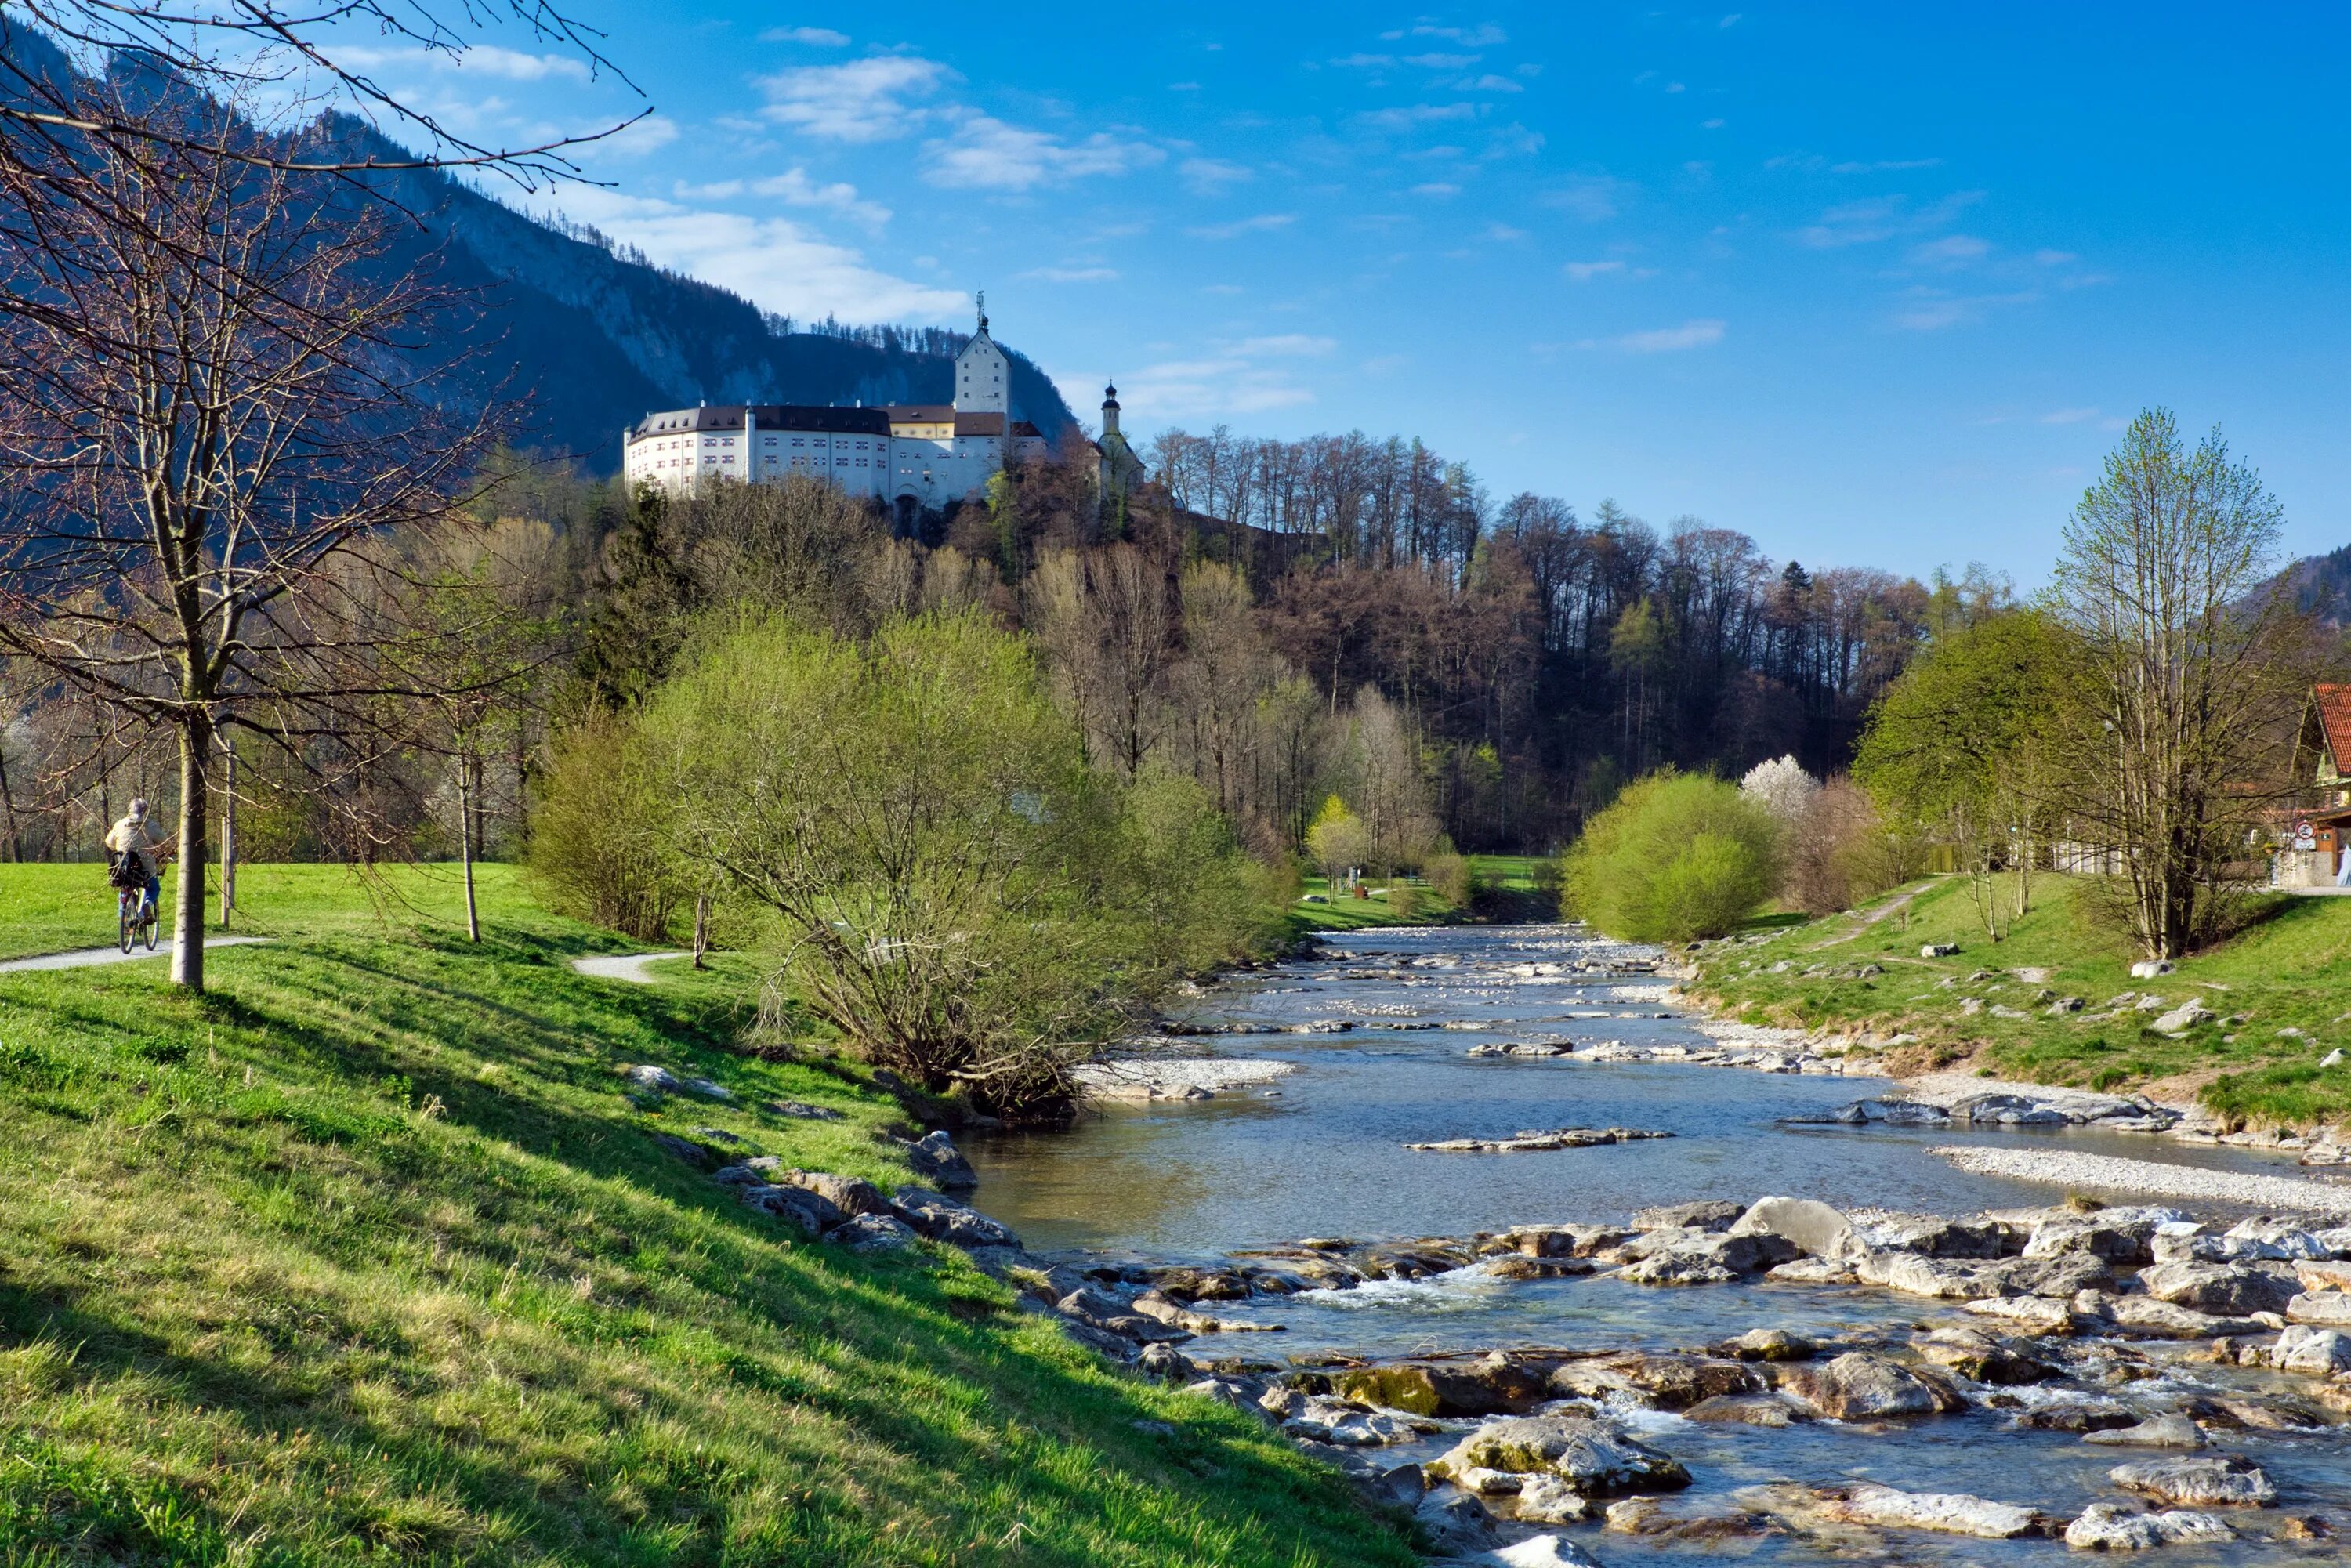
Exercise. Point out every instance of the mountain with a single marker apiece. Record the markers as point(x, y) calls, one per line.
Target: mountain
point(596, 337)
point(2321, 585)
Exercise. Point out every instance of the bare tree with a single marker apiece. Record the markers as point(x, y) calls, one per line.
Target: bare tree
point(214, 406)
point(2190, 672)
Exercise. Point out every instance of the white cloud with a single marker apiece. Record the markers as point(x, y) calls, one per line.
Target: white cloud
point(1586, 271)
point(1410, 115)
point(1886, 166)
point(815, 37)
point(1930, 311)
point(2068, 415)
point(1699, 334)
point(1187, 389)
point(1437, 188)
point(988, 154)
point(475, 59)
point(862, 100)
point(650, 134)
point(1071, 274)
point(1480, 37)
point(1441, 62)
point(1504, 232)
point(1492, 83)
point(1210, 175)
point(1366, 62)
point(1286, 344)
point(773, 262)
point(1261, 224)
point(1881, 218)
point(1952, 251)
point(794, 188)
point(1592, 197)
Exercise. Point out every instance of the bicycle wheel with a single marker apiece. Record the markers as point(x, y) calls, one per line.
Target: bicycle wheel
point(130, 925)
point(150, 933)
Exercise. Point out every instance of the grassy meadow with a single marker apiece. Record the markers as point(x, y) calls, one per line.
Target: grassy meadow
point(365, 1257)
point(2289, 969)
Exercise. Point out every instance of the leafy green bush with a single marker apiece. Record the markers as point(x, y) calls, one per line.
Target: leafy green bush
point(943, 877)
point(1678, 856)
point(598, 845)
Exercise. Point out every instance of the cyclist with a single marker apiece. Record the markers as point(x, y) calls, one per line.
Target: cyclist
point(134, 835)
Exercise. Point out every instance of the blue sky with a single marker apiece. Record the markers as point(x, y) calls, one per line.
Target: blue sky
point(1876, 285)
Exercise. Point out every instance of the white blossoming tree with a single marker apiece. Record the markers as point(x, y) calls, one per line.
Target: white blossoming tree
point(1782, 787)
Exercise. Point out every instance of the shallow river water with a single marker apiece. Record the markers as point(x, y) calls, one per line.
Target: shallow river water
point(1323, 1155)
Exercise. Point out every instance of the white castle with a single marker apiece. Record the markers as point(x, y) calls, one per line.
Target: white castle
point(903, 454)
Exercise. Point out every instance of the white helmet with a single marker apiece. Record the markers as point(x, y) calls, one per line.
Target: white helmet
point(139, 807)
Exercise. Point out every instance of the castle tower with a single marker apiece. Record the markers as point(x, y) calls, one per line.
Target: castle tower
point(983, 375)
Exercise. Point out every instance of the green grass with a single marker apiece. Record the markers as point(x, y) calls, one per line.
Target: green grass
point(364, 1256)
point(2290, 969)
point(1421, 907)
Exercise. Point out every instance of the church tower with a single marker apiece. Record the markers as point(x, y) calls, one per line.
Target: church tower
point(983, 375)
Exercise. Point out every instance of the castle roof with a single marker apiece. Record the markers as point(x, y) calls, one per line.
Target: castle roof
point(769, 416)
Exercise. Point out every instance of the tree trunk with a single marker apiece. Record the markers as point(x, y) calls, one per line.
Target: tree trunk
point(466, 842)
point(701, 927)
point(195, 807)
point(228, 831)
point(8, 802)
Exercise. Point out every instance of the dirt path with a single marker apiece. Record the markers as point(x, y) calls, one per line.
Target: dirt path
point(86, 957)
point(629, 967)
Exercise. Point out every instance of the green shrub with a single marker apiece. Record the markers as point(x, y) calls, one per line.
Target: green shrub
point(1677, 857)
point(1449, 875)
point(598, 844)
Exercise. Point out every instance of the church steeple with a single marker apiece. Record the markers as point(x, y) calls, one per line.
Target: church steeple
point(983, 375)
point(982, 301)
point(1109, 409)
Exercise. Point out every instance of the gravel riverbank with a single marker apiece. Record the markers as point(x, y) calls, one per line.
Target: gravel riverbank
point(2100, 1172)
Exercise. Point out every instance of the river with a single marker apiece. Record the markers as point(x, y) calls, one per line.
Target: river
point(1320, 1153)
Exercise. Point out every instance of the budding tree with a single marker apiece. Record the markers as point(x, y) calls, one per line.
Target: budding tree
point(215, 408)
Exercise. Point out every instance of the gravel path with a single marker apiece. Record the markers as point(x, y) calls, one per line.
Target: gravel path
point(2107, 1173)
point(629, 967)
point(87, 957)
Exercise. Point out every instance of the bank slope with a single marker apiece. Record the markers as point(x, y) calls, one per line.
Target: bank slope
point(366, 1256)
point(2054, 1000)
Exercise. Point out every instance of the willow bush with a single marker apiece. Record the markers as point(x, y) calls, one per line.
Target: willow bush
point(1677, 857)
point(943, 877)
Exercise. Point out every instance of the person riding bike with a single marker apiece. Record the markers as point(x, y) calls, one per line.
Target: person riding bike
point(134, 837)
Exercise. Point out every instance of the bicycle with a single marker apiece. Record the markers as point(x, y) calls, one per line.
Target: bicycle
point(136, 917)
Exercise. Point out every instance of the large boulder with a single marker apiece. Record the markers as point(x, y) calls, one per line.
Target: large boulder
point(872, 1233)
point(1858, 1386)
point(1496, 1383)
point(2171, 1431)
point(2318, 1351)
point(2208, 1483)
point(813, 1212)
point(2325, 1308)
point(1971, 1354)
point(1812, 1229)
point(2112, 1527)
point(1940, 1278)
point(1748, 1410)
point(2117, 1235)
point(937, 1161)
point(1708, 1214)
point(943, 1219)
point(1670, 1381)
point(2230, 1289)
point(851, 1195)
point(1594, 1457)
point(1456, 1525)
point(1689, 1256)
point(1955, 1513)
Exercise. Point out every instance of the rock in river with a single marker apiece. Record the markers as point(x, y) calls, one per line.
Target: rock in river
point(1540, 1142)
point(1858, 1386)
point(2235, 1483)
point(2231, 1290)
point(2111, 1527)
point(1593, 1455)
point(1954, 1513)
point(1812, 1229)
